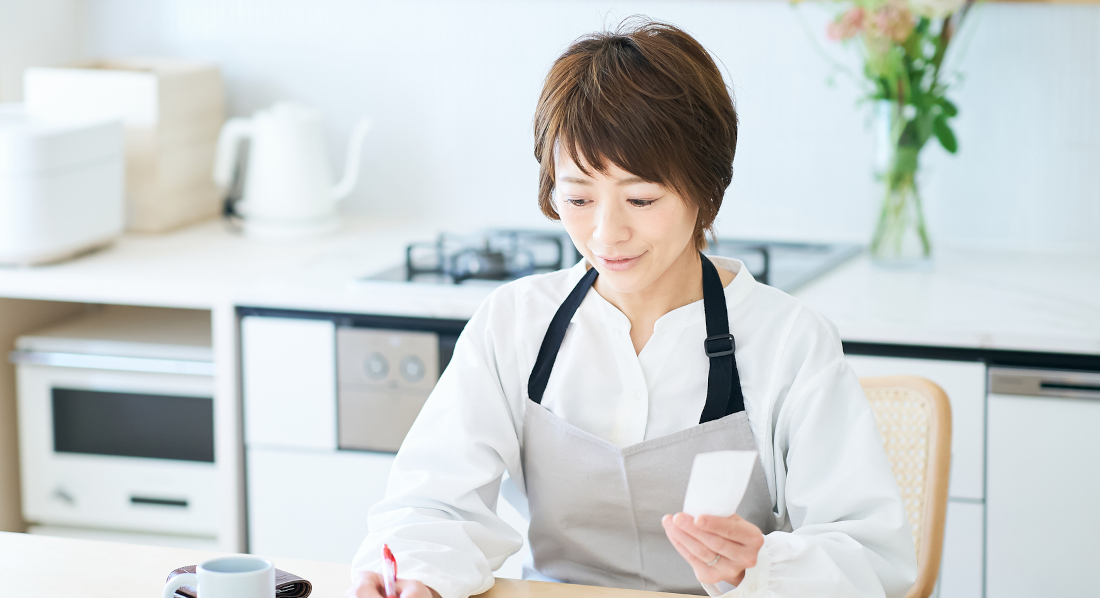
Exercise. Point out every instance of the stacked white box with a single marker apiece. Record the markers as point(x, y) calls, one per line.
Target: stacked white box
point(173, 111)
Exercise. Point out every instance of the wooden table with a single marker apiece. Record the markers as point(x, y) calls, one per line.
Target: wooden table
point(49, 567)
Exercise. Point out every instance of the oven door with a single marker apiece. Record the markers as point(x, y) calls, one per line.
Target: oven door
point(117, 449)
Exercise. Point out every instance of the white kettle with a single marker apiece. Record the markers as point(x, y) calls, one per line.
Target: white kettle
point(288, 187)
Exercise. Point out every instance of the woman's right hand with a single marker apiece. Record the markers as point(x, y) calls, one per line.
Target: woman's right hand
point(369, 584)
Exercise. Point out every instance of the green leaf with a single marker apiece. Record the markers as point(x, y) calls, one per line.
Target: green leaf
point(949, 109)
point(923, 128)
point(884, 88)
point(944, 134)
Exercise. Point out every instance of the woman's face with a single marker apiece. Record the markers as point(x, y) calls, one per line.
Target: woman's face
point(631, 230)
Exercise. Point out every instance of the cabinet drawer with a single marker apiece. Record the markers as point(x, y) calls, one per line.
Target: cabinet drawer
point(289, 379)
point(964, 382)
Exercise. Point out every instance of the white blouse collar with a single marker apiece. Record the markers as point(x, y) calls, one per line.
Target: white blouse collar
point(681, 317)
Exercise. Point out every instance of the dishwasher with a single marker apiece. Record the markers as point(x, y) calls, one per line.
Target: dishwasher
point(1042, 482)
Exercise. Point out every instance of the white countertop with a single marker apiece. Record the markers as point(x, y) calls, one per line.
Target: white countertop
point(208, 264)
point(968, 298)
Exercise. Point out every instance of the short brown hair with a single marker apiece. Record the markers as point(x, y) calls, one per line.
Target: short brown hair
point(648, 98)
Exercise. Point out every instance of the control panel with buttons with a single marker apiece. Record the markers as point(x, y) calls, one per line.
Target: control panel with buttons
point(384, 377)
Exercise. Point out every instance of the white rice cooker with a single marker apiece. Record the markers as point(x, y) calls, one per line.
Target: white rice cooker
point(61, 185)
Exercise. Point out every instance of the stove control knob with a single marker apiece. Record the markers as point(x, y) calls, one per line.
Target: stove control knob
point(412, 369)
point(376, 366)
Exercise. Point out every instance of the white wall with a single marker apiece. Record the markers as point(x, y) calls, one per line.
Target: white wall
point(453, 86)
point(36, 32)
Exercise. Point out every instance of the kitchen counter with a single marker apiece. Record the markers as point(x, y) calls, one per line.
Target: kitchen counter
point(47, 567)
point(969, 298)
point(200, 266)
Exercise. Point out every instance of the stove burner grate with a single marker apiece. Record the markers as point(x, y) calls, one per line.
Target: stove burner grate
point(497, 255)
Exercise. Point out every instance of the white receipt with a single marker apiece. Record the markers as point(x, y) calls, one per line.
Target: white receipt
point(718, 482)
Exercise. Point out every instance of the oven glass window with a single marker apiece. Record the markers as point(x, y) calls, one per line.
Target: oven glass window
point(133, 425)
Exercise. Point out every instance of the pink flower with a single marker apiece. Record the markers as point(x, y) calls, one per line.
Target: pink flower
point(848, 25)
point(894, 21)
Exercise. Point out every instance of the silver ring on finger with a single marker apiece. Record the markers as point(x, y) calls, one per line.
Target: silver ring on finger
point(715, 561)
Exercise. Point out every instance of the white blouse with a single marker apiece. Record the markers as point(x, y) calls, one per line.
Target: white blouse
point(842, 529)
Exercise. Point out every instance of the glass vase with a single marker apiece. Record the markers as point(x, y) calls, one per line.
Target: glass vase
point(901, 235)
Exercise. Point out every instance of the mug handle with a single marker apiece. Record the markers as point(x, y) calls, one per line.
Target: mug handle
point(177, 582)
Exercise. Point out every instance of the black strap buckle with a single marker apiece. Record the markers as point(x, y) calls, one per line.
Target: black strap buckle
point(718, 349)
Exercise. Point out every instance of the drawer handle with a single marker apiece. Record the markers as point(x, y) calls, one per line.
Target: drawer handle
point(160, 502)
point(1064, 386)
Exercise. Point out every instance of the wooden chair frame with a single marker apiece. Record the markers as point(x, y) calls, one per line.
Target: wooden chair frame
point(937, 474)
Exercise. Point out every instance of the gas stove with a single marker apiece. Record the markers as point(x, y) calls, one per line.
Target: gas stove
point(498, 255)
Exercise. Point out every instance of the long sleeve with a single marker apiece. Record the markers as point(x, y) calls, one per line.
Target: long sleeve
point(849, 532)
point(438, 515)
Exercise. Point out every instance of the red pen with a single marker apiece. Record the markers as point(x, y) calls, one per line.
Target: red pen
point(390, 578)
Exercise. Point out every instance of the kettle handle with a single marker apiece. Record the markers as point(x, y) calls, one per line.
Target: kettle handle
point(351, 160)
point(229, 143)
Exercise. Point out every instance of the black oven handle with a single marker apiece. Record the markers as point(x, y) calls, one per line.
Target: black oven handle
point(158, 502)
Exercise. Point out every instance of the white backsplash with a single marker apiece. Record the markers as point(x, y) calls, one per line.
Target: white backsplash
point(453, 85)
point(36, 32)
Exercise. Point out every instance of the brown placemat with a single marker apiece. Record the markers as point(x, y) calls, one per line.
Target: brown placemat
point(287, 585)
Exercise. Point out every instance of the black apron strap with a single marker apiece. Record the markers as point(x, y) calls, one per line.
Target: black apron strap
point(723, 384)
point(548, 352)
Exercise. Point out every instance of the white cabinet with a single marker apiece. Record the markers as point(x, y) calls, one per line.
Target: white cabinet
point(312, 504)
point(306, 499)
point(964, 383)
point(1043, 490)
point(961, 566)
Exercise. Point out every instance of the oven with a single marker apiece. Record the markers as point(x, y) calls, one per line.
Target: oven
point(120, 441)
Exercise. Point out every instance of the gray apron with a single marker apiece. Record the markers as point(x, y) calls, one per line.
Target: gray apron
point(595, 507)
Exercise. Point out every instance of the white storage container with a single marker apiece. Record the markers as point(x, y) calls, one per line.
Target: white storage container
point(61, 185)
point(172, 110)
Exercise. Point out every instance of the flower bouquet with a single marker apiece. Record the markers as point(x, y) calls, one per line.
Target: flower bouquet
point(903, 43)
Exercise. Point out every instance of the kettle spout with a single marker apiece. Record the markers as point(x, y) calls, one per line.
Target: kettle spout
point(351, 164)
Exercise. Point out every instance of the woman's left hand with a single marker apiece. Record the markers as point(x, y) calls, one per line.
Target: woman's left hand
point(731, 540)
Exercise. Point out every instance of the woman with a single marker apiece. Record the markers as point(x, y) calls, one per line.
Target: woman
point(594, 387)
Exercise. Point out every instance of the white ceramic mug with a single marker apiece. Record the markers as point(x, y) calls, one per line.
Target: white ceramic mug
point(241, 576)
